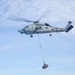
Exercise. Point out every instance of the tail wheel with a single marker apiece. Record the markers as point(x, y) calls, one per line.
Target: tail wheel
point(31, 36)
point(50, 34)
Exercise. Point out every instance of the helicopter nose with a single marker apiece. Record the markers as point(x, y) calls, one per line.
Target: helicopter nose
point(20, 31)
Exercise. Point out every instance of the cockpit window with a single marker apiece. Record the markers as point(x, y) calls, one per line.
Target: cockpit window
point(23, 29)
point(26, 27)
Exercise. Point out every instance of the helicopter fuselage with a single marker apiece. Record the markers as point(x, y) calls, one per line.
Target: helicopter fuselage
point(40, 28)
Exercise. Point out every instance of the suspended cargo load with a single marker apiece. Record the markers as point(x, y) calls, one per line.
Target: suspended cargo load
point(44, 66)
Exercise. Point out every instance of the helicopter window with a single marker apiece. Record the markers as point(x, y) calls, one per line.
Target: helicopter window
point(39, 27)
point(46, 27)
point(47, 24)
point(27, 27)
point(52, 29)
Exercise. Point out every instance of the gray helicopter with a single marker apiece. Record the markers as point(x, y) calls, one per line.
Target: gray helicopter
point(38, 28)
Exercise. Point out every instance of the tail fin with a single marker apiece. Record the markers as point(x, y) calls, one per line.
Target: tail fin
point(68, 27)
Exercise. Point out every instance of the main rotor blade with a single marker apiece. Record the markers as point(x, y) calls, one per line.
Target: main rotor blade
point(41, 16)
point(15, 18)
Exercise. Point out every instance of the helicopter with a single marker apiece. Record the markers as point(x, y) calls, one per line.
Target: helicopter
point(39, 28)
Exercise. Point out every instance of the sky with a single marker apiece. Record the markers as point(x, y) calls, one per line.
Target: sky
point(20, 54)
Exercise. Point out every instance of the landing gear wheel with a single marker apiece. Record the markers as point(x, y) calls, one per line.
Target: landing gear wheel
point(31, 36)
point(50, 34)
